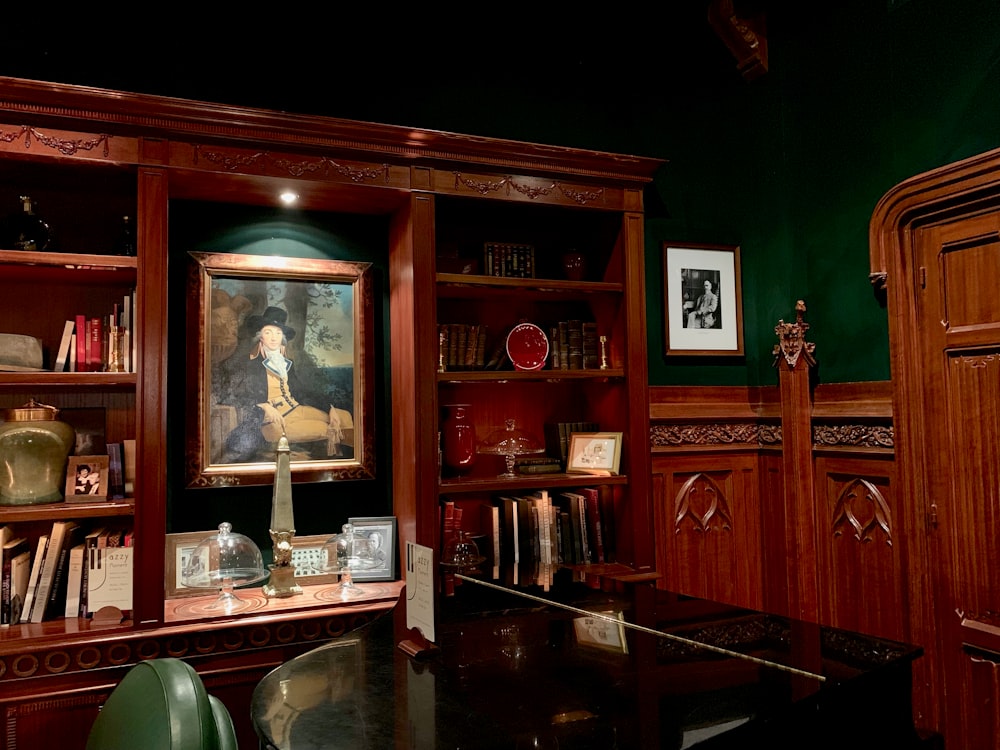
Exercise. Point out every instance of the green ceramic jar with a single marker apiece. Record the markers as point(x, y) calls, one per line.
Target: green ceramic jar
point(34, 446)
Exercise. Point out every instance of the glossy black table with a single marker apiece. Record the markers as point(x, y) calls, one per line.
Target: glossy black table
point(639, 669)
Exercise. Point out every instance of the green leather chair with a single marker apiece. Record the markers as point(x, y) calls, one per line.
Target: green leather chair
point(162, 704)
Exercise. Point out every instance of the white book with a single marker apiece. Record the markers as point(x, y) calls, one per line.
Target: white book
point(109, 579)
point(64, 346)
point(47, 576)
point(20, 570)
point(74, 580)
point(36, 569)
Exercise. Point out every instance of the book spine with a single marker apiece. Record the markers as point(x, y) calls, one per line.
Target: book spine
point(80, 356)
point(95, 339)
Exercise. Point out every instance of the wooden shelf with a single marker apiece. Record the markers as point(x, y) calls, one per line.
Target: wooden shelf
point(498, 484)
point(48, 379)
point(549, 376)
point(59, 511)
point(463, 285)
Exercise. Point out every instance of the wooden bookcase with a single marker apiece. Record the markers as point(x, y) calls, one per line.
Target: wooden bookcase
point(90, 156)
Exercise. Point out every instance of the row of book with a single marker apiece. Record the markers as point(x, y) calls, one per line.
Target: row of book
point(574, 345)
point(99, 343)
point(74, 572)
point(510, 260)
point(527, 538)
point(461, 346)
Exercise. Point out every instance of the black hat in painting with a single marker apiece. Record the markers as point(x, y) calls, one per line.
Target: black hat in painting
point(273, 316)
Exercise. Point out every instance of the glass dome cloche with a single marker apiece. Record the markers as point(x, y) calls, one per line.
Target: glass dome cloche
point(224, 561)
point(347, 552)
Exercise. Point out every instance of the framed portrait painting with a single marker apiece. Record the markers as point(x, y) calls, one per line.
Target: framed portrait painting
point(278, 346)
point(703, 304)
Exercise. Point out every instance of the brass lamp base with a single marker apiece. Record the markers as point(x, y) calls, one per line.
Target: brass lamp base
point(282, 582)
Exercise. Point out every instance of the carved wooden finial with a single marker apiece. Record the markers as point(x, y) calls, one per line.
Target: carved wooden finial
point(792, 339)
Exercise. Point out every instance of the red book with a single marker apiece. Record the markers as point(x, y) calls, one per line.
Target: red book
point(81, 343)
point(95, 337)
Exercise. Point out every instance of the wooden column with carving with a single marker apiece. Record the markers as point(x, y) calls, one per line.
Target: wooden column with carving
point(794, 360)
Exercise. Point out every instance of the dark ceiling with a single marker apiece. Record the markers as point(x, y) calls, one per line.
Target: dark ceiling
point(352, 65)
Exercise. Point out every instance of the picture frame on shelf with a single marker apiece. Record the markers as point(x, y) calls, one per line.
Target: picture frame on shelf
point(595, 453)
point(87, 479)
point(320, 314)
point(178, 550)
point(703, 304)
point(381, 530)
point(309, 558)
point(602, 630)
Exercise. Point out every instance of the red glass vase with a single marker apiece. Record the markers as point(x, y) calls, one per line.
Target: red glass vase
point(458, 438)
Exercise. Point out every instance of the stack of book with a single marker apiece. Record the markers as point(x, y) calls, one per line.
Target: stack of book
point(527, 537)
point(574, 345)
point(75, 572)
point(104, 343)
point(509, 260)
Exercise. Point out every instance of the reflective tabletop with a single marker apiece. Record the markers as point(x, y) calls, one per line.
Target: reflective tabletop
point(583, 668)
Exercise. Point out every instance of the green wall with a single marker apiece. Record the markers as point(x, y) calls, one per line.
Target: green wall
point(791, 167)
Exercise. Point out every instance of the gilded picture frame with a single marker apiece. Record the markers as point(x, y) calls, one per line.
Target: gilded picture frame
point(703, 306)
point(318, 379)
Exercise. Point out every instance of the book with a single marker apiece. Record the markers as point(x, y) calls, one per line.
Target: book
point(594, 526)
point(80, 333)
point(74, 580)
point(116, 471)
point(11, 549)
point(90, 542)
point(128, 466)
point(57, 597)
point(489, 521)
point(20, 571)
point(62, 356)
point(33, 576)
point(95, 345)
point(109, 581)
point(47, 574)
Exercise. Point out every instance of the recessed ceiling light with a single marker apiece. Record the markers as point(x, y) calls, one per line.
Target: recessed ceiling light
point(288, 197)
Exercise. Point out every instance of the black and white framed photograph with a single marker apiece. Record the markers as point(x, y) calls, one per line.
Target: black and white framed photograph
point(179, 551)
point(381, 534)
point(704, 299)
point(87, 479)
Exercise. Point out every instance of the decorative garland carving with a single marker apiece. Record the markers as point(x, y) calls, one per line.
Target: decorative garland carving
point(65, 147)
point(792, 342)
point(861, 498)
point(713, 434)
point(977, 361)
point(701, 502)
point(703, 434)
point(854, 435)
point(321, 166)
point(508, 183)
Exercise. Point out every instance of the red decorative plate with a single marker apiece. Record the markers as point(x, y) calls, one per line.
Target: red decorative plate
point(527, 347)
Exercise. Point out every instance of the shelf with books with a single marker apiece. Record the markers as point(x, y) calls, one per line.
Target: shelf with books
point(473, 485)
point(549, 376)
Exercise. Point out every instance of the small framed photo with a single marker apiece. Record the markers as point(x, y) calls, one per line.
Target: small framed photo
point(704, 300)
point(179, 549)
point(310, 559)
point(597, 453)
point(87, 479)
point(381, 533)
point(603, 630)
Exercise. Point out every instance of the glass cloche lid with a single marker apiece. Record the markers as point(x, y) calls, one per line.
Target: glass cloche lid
point(224, 561)
point(510, 441)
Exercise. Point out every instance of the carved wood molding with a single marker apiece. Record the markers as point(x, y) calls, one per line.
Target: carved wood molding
point(859, 500)
point(701, 504)
point(792, 343)
point(130, 647)
point(180, 119)
point(743, 33)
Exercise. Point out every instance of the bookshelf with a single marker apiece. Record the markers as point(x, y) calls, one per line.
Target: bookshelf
point(89, 157)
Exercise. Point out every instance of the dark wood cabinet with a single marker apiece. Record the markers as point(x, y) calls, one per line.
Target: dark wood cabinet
point(90, 157)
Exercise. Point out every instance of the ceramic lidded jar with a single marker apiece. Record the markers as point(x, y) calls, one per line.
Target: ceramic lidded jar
point(34, 446)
